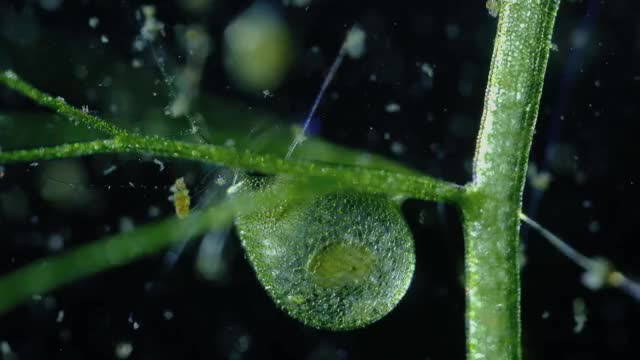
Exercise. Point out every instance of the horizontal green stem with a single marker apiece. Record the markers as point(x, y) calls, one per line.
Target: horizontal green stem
point(44, 275)
point(361, 178)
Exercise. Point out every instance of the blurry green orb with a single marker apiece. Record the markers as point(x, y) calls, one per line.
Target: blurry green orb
point(257, 49)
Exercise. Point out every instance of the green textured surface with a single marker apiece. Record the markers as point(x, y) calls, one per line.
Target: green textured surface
point(337, 261)
point(493, 202)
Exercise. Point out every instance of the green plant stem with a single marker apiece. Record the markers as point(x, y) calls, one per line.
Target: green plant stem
point(361, 178)
point(47, 274)
point(12, 81)
point(491, 224)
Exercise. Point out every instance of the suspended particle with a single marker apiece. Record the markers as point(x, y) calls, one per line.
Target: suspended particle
point(93, 22)
point(427, 69)
point(123, 350)
point(159, 163)
point(296, 3)
point(181, 199)
point(151, 27)
point(338, 261)
point(493, 6)
point(392, 107)
point(579, 315)
point(258, 49)
point(354, 44)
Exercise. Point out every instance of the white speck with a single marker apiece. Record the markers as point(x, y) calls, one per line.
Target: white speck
point(5, 349)
point(109, 170)
point(104, 39)
point(266, 93)
point(55, 242)
point(392, 107)
point(546, 315)
point(153, 211)
point(427, 69)
point(34, 164)
point(594, 226)
point(126, 224)
point(123, 350)
point(50, 5)
point(152, 27)
point(93, 22)
point(554, 47)
point(136, 325)
point(136, 63)
point(354, 45)
point(61, 99)
point(60, 316)
point(296, 3)
point(132, 185)
point(579, 315)
point(230, 143)
point(387, 136)
point(397, 148)
point(167, 314)
point(85, 109)
point(220, 180)
point(159, 163)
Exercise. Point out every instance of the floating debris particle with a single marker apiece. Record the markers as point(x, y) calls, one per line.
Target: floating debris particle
point(296, 3)
point(151, 27)
point(427, 69)
point(104, 39)
point(546, 315)
point(60, 316)
point(50, 5)
point(109, 170)
point(181, 199)
point(354, 45)
point(153, 211)
point(167, 314)
point(392, 107)
point(579, 315)
point(123, 350)
point(94, 22)
point(136, 63)
point(159, 163)
point(398, 148)
point(126, 224)
point(258, 49)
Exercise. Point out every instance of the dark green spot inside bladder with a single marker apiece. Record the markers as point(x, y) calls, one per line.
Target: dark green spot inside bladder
point(340, 264)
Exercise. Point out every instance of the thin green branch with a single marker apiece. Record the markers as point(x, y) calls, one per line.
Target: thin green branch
point(361, 178)
point(44, 275)
point(58, 104)
point(491, 224)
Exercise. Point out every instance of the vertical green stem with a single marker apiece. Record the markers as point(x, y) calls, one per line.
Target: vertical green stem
point(491, 223)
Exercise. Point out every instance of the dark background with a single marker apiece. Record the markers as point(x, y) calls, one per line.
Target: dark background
point(586, 138)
